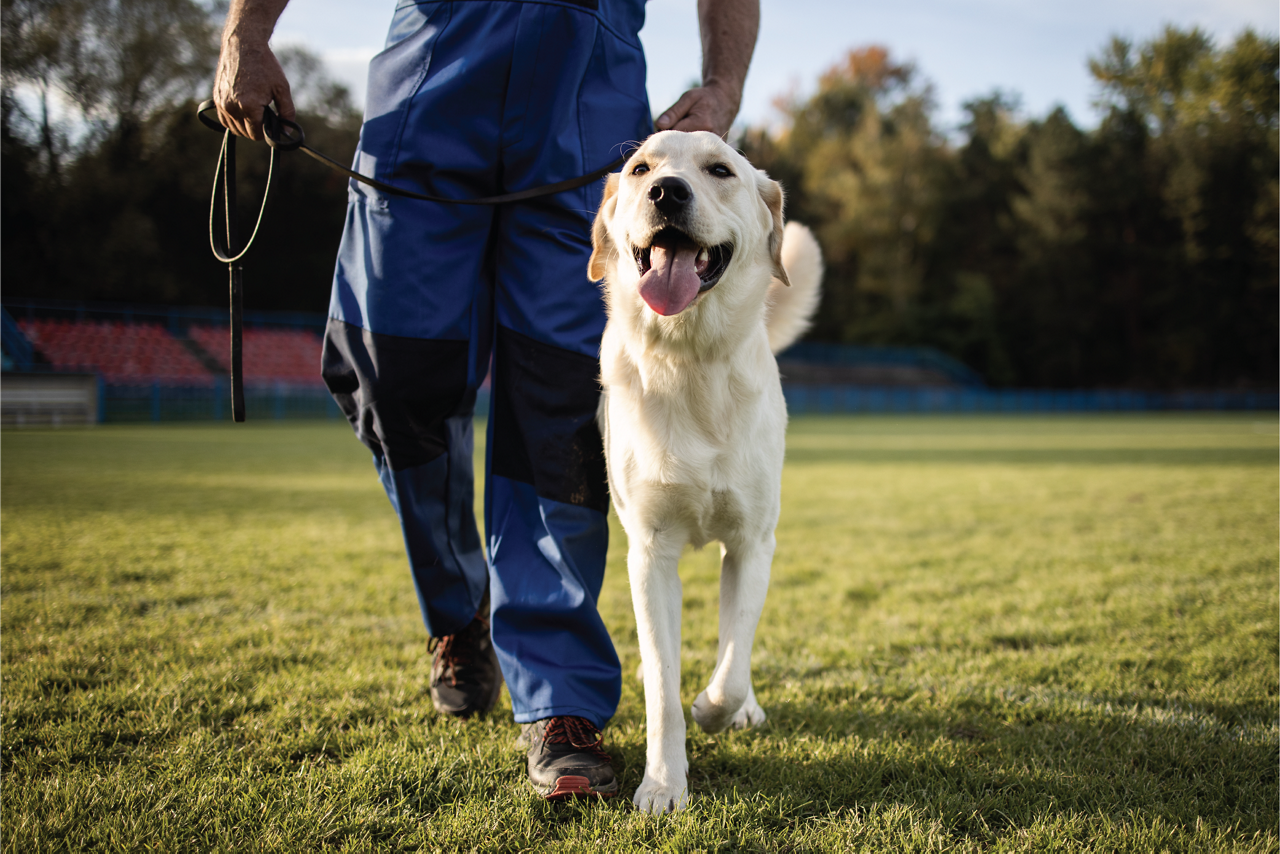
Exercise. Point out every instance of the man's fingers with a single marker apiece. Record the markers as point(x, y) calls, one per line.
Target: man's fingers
point(677, 111)
point(253, 123)
point(284, 101)
point(224, 118)
point(249, 123)
point(698, 109)
point(232, 118)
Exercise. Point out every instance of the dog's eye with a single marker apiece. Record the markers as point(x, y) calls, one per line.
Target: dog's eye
point(640, 169)
point(720, 171)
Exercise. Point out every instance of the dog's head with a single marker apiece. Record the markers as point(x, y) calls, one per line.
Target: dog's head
point(688, 228)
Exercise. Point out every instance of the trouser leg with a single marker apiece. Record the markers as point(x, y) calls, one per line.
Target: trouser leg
point(545, 514)
point(474, 99)
point(546, 500)
point(411, 403)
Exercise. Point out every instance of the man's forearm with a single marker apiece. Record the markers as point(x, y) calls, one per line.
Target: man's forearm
point(249, 77)
point(252, 20)
point(729, 29)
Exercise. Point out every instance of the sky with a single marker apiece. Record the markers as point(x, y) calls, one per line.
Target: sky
point(1036, 49)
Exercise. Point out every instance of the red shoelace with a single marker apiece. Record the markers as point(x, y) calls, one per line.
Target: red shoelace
point(448, 651)
point(576, 732)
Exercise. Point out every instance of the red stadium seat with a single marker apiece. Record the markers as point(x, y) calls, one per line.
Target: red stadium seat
point(123, 353)
point(290, 356)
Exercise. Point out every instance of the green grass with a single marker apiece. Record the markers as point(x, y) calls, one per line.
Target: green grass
point(1017, 634)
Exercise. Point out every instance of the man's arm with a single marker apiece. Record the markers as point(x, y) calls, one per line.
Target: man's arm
point(728, 30)
point(249, 75)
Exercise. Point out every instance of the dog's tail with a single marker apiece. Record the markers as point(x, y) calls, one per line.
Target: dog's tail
point(790, 309)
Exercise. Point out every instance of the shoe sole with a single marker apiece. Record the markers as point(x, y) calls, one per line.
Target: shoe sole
point(571, 786)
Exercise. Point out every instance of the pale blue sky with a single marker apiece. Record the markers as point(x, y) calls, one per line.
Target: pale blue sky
point(965, 47)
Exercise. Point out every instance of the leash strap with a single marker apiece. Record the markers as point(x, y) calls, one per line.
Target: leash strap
point(286, 135)
point(224, 251)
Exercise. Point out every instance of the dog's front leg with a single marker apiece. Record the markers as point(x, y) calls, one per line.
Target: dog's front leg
point(744, 581)
point(656, 595)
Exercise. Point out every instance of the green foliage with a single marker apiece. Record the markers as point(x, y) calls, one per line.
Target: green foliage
point(111, 200)
point(995, 634)
point(1141, 253)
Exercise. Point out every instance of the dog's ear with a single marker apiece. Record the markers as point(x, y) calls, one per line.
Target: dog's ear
point(602, 248)
point(771, 194)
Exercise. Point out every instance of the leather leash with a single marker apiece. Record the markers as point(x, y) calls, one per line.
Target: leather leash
point(285, 135)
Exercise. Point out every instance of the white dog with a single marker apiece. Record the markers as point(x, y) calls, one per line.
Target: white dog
point(690, 243)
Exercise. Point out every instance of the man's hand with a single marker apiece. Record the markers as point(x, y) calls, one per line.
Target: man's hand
point(705, 108)
point(728, 30)
point(249, 75)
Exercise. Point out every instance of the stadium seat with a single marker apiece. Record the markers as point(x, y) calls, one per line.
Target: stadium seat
point(122, 353)
point(290, 356)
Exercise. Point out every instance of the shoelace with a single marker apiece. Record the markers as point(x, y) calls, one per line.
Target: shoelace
point(451, 657)
point(577, 733)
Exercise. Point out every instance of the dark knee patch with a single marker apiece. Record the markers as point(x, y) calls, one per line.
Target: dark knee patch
point(396, 391)
point(544, 421)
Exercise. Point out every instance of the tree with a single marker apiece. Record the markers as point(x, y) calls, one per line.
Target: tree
point(861, 159)
point(1142, 253)
point(112, 202)
point(1203, 128)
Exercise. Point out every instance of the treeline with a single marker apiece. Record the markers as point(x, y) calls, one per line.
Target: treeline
point(1140, 253)
point(107, 173)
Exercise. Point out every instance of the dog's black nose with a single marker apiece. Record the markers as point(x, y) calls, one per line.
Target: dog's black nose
point(670, 194)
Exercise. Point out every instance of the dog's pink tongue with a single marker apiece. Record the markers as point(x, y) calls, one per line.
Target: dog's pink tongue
point(671, 282)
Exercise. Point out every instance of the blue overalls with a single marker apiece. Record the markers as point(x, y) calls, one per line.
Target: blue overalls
point(476, 98)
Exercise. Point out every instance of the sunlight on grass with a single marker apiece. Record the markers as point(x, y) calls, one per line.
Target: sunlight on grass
point(982, 633)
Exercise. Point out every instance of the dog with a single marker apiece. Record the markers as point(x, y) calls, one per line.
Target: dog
point(703, 283)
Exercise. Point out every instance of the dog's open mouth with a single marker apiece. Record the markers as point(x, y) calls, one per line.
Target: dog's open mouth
point(674, 269)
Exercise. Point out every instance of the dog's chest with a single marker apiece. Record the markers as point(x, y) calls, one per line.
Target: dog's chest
point(708, 469)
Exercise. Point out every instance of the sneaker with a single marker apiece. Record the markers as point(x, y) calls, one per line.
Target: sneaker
point(566, 759)
point(465, 677)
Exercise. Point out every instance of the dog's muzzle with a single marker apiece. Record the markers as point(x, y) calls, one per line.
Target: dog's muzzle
point(674, 269)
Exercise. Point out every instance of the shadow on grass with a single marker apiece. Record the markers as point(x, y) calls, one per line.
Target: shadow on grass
point(1037, 456)
point(981, 771)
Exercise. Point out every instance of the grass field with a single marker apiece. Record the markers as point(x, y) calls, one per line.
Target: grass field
point(1019, 634)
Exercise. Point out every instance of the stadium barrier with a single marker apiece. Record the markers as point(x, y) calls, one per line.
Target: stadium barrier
point(924, 359)
point(956, 388)
point(155, 402)
point(827, 400)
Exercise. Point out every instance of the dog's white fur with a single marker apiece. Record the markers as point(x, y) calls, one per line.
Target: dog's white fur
point(694, 421)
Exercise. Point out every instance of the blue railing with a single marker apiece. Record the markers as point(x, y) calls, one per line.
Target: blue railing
point(281, 401)
point(16, 345)
point(806, 400)
point(924, 358)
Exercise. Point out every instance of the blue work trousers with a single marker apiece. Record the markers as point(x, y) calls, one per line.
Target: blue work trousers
point(471, 99)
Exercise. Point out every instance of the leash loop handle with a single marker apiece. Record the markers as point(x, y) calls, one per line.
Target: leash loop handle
point(281, 133)
point(225, 170)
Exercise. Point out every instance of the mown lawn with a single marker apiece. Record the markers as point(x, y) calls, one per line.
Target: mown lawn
point(1008, 634)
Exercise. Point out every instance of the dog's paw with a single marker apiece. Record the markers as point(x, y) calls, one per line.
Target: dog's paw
point(749, 715)
point(640, 673)
point(711, 716)
point(656, 798)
